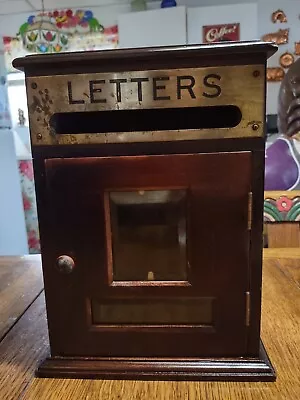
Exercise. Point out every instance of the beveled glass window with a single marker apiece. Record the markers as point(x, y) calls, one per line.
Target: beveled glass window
point(148, 235)
point(156, 311)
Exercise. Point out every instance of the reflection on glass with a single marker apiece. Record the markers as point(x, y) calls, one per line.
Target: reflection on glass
point(153, 311)
point(148, 230)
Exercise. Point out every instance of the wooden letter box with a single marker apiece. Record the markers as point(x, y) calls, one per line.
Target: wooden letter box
point(149, 170)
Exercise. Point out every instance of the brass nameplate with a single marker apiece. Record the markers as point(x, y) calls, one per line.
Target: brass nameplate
point(241, 86)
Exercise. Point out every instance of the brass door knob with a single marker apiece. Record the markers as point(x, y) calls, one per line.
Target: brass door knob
point(65, 264)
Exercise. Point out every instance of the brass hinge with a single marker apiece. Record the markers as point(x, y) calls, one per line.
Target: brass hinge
point(249, 211)
point(248, 309)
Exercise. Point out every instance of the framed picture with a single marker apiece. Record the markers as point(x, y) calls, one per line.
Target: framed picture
point(221, 33)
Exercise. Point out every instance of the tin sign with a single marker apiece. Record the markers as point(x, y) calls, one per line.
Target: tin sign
point(221, 33)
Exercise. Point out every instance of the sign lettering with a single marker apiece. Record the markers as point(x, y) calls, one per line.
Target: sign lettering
point(221, 33)
point(160, 88)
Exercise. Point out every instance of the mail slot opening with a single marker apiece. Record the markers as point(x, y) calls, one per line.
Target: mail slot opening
point(146, 120)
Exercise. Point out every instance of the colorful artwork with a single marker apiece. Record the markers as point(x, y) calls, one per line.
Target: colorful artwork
point(285, 208)
point(221, 33)
point(50, 32)
point(107, 39)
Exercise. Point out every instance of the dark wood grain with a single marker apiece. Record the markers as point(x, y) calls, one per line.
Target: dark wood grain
point(20, 283)
point(255, 270)
point(147, 58)
point(22, 349)
point(259, 369)
point(215, 271)
point(131, 149)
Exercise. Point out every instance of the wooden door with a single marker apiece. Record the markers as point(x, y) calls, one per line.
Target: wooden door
point(161, 252)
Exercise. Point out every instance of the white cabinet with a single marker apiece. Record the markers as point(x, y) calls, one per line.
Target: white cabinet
point(160, 27)
point(13, 240)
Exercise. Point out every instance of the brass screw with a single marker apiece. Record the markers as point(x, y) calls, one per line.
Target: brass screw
point(256, 74)
point(39, 136)
point(255, 127)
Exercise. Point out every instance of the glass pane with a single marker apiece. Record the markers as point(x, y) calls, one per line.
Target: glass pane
point(148, 230)
point(153, 311)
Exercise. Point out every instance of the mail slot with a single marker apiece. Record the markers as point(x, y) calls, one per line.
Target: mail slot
point(149, 172)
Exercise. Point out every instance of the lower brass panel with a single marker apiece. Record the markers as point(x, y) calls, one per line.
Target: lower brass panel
point(159, 136)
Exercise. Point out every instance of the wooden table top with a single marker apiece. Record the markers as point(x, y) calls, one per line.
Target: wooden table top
point(24, 342)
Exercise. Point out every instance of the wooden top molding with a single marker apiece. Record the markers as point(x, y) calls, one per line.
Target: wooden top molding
point(127, 59)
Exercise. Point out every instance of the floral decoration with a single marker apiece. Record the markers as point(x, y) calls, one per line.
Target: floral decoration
point(26, 202)
point(285, 208)
point(107, 39)
point(49, 32)
point(33, 241)
point(29, 205)
point(284, 203)
point(26, 169)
